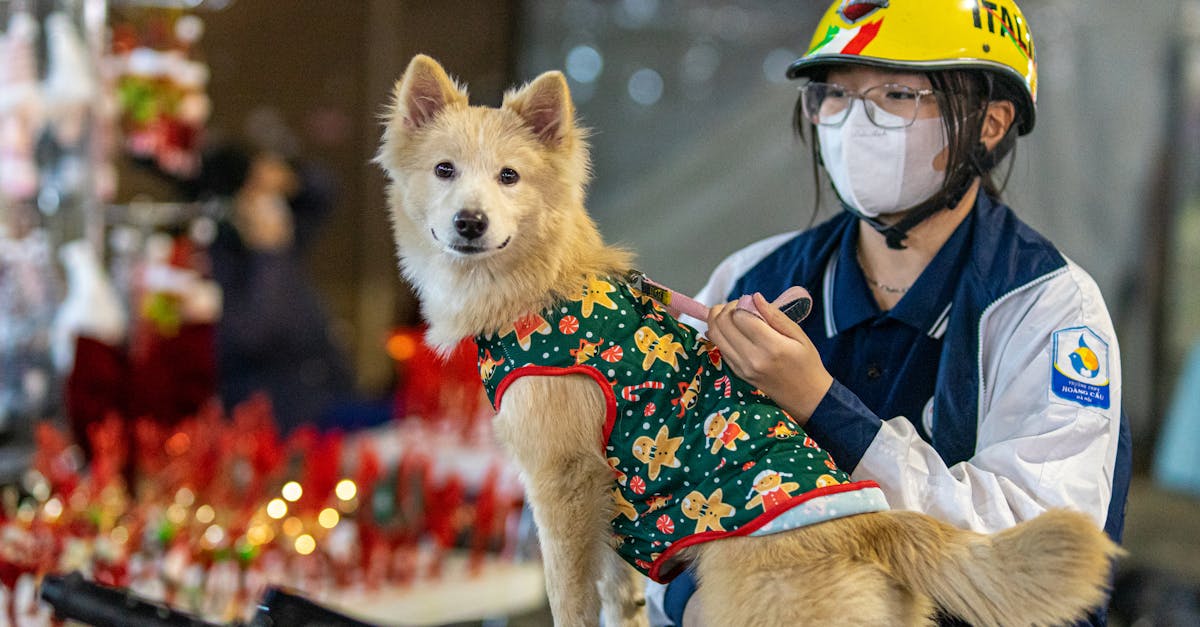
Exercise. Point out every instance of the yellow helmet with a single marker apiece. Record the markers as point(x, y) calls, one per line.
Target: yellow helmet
point(923, 35)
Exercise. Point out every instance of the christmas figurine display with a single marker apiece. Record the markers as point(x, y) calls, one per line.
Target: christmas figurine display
point(161, 90)
point(69, 92)
point(205, 512)
point(21, 109)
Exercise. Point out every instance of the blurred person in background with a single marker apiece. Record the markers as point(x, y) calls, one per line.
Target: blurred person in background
point(274, 336)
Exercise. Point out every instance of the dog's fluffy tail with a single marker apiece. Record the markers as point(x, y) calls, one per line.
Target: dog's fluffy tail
point(1051, 570)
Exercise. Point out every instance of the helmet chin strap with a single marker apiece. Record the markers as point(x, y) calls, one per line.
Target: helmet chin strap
point(978, 163)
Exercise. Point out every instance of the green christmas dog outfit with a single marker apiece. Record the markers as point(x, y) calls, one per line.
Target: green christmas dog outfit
point(697, 454)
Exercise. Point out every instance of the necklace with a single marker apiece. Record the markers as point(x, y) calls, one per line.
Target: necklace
point(887, 289)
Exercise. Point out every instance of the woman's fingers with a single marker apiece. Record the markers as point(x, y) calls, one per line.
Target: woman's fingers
point(778, 320)
point(755, 328)
point(772, 353)
point(723, 333)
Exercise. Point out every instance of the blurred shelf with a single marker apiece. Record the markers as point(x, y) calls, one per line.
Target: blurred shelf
point(500, 589)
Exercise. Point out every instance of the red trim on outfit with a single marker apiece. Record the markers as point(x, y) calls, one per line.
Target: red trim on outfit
point(610, 399)
point(750, 527)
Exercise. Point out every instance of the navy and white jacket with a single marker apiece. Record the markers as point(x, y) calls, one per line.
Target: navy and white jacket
point(1025, 412)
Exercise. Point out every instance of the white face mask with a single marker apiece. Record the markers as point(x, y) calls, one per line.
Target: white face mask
point(882, 171)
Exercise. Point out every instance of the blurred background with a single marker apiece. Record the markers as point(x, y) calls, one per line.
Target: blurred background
point(185, 188)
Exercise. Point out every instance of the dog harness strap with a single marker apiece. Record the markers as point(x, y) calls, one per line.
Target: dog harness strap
point(696, 454)
point(666, 296)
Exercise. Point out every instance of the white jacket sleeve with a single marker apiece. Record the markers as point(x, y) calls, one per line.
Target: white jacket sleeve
point(1036, 449)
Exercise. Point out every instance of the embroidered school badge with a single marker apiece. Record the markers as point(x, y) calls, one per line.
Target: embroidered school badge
point(1079, 370)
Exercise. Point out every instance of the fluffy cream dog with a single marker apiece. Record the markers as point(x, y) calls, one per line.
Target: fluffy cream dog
point(487, 207)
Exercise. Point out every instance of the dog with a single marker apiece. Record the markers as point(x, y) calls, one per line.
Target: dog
point(591, 378)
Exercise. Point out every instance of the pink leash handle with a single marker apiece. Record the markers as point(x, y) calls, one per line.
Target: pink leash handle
point(671, 299)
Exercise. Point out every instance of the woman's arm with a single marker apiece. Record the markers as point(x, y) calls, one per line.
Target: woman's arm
point(1036, 447)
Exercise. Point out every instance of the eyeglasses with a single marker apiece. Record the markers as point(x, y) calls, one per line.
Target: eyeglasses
point(887, 106)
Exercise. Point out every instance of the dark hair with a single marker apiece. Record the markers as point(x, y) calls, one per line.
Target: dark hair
point(962, 96)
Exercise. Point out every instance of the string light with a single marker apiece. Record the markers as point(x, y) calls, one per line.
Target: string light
point(401, 347)
point(328, 518)
point(277, 509)
point(345, 489)
point(52, 509)
point(214, 535)
point(205, 514)
point(292, 491)
point(305, 544)
point(293, 526)
point(177, 514)
point(260, 534)
point(645, 86)
point(185, 497)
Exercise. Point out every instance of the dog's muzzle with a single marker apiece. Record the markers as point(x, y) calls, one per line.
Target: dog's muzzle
point(471, 224)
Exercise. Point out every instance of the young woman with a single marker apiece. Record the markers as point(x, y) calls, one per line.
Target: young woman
point(953, 355)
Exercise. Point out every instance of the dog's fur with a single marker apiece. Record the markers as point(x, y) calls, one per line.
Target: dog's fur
point(869, 569)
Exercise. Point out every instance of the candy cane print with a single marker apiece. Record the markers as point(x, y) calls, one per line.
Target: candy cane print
point(630, 392)
point(724, 381)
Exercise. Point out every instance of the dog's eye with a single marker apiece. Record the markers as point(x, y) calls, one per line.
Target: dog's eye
point(509, 176)
point(444, 170)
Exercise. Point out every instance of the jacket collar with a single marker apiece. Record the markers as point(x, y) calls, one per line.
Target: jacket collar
point(847, 297)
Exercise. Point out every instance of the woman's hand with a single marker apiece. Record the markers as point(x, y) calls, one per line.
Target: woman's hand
point(772, 353)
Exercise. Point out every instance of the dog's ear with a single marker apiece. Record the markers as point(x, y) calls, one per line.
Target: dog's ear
point(423, 91)
point(545, 105)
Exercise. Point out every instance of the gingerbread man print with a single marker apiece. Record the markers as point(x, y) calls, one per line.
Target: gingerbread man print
point(707, 512)
point(771, 489)
point(726, 433)
point(658, 452)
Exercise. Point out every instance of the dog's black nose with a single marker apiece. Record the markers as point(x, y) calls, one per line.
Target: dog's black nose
point(470, 223)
